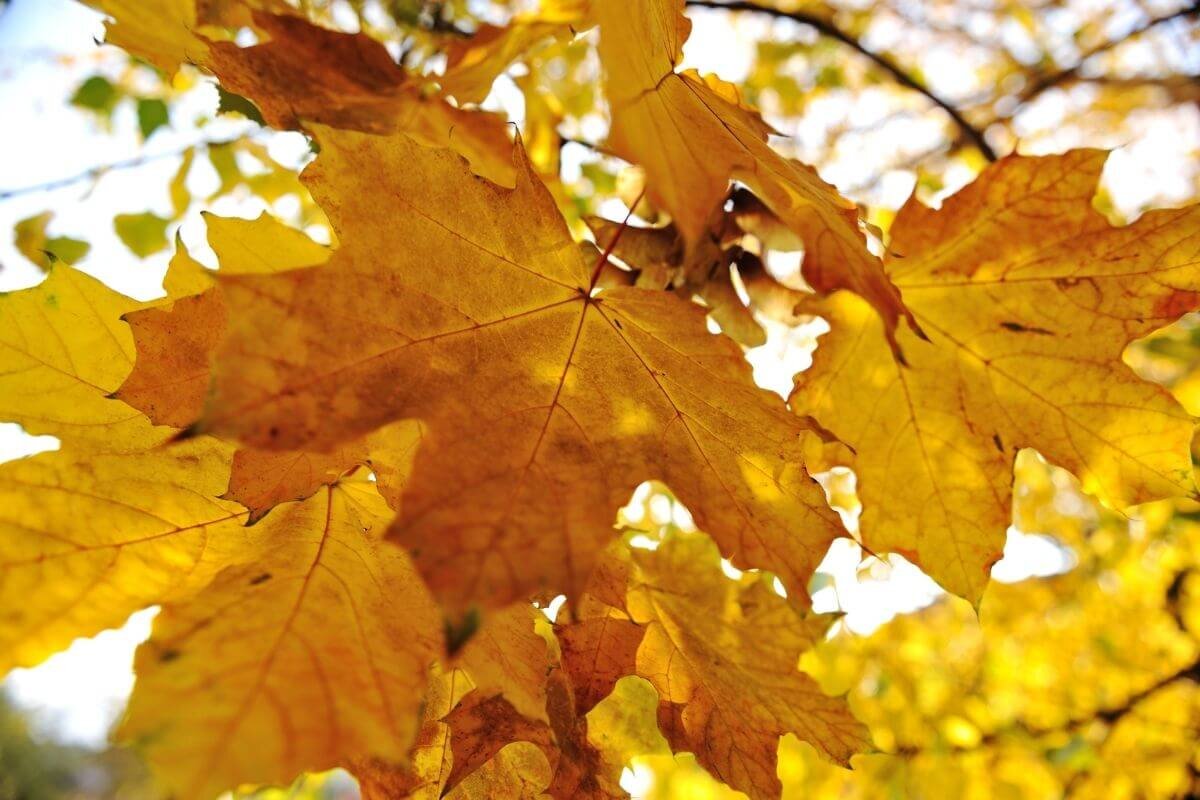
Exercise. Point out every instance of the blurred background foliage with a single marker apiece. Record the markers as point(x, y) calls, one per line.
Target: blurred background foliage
point(1082, 683)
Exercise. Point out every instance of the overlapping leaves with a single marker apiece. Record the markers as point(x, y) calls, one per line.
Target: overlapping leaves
point(459, 348)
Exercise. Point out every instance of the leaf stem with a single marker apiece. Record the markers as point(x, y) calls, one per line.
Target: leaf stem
point(603, 259)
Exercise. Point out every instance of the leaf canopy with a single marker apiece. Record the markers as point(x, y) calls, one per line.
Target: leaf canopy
point(379, 489)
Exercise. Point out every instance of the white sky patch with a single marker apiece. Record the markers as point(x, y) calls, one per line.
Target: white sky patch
point(16, 443)
point(78, 694)
point(553, 607)
point(638, 780)
point(1032, 555)
point(872, 597)
point(787, 351)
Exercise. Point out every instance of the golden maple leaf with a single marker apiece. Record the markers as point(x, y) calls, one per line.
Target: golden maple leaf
point(115, 522)
point(295, 662)
point(472, 65)
point(724, 655)
point(485, 721)
point(545, 405)
point(305, 73)
point(99, 536)
point(63, 349)
point(1029, 296)
point(176, 341)
point(692, 134)
point(509, 656)
point(160, 31)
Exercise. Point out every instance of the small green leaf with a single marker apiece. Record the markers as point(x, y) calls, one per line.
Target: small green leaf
point(144, 234)
point(224, 161)
point(65, 248)
point(30, 239)
point(29, 236)
point(96, 94)
point(181, 198)
point(152, 114)
point(230, 103)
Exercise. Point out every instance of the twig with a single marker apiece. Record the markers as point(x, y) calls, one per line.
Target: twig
point(827, 28)
point(101, 169)
point(603, 259)
point(1072, 72)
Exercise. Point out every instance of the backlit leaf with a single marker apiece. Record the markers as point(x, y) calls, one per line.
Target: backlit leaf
point(724, 658)
point(1004, 368)
point(481, 325)
point(63, 349)
point(315, 667)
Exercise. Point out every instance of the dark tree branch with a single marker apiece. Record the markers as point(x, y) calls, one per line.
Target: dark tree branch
point(827, 28)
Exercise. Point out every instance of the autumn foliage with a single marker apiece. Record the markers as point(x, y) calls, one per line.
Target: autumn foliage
point(354, 477)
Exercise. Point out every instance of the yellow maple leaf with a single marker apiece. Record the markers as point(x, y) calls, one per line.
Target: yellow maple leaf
point(175, 342)
point(724, 657)
point(598, 646)
point(63, 349)
point(298, 661)
point(472, 65)
point(1004, 367)
point(518, 771)
point(482, 725)
point(175, 339)
point(596, 653)
point(160, 31)
point(97, 537)
point(304, 72)
point(508, 656)
point(546, 406)
point(118, 520)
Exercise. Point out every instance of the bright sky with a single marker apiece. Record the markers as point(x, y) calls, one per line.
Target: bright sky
point(46, 49)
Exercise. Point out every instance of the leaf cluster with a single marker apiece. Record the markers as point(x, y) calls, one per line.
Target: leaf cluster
point(354, 476)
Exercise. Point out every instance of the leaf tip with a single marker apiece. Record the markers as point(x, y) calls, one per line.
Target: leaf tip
point(459, 632)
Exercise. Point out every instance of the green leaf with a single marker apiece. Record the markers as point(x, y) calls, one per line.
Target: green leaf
point(96, 94)
point(181, 198)
point(230, 103)
point(152, 114)
point(224, 161)
point(65, 248)
point(144, 234)
point(30, 239)
point(29, 236)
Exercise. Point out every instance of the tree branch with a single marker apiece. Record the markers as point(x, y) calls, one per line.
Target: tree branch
point(1109, 716)
point(101, 169)
point(827, 28)
point(1072, 72)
